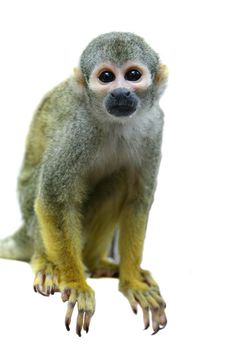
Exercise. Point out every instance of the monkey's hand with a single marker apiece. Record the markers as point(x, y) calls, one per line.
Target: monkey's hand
point(46, 276)
point(148, 296)
point(83, 295)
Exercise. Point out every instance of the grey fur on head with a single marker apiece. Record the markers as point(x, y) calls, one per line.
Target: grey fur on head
point(117, 47)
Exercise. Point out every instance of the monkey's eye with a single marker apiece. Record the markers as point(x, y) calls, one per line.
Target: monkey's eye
point(106, 77)
point(133, 75)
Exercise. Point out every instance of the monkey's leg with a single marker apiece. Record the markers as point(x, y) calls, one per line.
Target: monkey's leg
point(46, 273)
point(147, 295)
point(60, 231)
point(96, 250)
point(106, 268)
point(101, 219)
point(100, 224)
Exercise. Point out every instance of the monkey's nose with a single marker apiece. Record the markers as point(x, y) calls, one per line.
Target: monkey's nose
point(120, 92)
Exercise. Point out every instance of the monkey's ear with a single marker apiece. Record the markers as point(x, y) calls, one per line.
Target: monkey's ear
point(161, 78)
point(162, 74)
point(79, 77)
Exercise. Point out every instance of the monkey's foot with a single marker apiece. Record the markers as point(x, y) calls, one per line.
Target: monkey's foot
point(149, 299)
point(83, 295)
point(46, 278)
point(106, 268)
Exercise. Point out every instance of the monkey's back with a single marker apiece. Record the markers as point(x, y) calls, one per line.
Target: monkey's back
point(48, 118)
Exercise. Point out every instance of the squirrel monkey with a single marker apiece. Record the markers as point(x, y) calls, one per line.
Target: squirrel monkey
point(89, 170)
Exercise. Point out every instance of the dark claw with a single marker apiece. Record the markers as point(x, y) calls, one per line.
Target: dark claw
point(163, 304)
point(87, 320)
point(55, 289)
point(134, 310)
point(163, 326)
point(160, 327)
point(67, 324)
point(156, 331)
point(78, 331)
point(70, 308)
point(147, 326)
point(37, 289)
point(79, 322)
point(48, 290)
point(86, 327)
point(115, 274)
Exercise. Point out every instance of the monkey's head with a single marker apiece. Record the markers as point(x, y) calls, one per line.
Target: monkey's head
point(122, 75)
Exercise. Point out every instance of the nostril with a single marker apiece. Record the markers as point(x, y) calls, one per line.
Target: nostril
point(120, 93)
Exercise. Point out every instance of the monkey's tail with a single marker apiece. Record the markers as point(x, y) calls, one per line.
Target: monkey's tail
point(19, 246)
point(113, 252)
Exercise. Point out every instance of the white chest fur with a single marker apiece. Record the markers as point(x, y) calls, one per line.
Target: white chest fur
point(123, 145)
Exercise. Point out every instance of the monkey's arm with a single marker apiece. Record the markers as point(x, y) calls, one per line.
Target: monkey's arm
point(136, 284)
point(60, 231)
point(57, 206)
point(145, 293)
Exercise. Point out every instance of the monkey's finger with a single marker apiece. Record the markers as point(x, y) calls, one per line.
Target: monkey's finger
point(86, 308)
point(38, 289)
point(39, 284)
point(159, 320)
point(142, 301)
point(154, 305)
point(49, 283)
point(159, 328)
point(163, 319)
point(87, 319)
point(55, 283)
point(65, 295)
point(146, 317)
point(155, 321)
point(157, 306)
point(133, 302)
point(70, 308)
point(55, 288)
point(79, 323)
point(149, 280)
point(39, 280)
point(159, 300)
point(146, 276)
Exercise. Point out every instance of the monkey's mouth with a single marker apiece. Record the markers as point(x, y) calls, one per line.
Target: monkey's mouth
point(121, 110)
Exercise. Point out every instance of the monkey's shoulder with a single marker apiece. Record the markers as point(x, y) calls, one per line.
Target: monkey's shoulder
point(62, 97)
point(56, 107)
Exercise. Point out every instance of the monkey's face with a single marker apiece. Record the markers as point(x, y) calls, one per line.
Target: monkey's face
point(118, 88)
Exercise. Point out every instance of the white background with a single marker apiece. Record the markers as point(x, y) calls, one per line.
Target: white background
point(40, 43)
